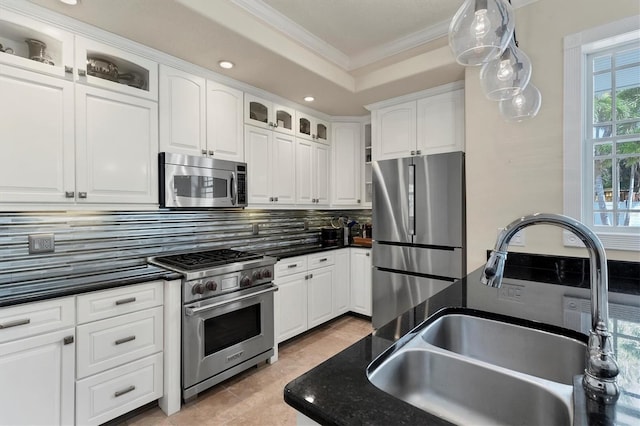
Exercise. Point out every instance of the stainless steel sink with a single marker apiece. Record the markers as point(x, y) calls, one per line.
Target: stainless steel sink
point(469, 369)
point(467, 393)
point(535, 352)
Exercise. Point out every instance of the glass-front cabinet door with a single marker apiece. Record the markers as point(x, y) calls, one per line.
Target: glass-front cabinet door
point(33, 45)
point(105, 66)
point(285, 119)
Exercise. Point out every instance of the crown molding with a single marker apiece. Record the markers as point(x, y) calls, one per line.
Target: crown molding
point(294, 31)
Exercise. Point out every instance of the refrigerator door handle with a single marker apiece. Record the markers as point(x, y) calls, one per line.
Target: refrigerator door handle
point(411, 199)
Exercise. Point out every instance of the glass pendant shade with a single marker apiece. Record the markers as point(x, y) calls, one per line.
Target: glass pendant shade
point(522, 106)
point(480, 31)
point(507, 75)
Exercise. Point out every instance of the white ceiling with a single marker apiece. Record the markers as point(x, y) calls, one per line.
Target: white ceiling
point(346, 53)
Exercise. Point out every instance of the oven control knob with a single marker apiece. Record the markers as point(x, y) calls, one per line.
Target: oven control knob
point(265, 273)
point(256, 275)
point(245, 281)
point(198, 289)
point(211, 285)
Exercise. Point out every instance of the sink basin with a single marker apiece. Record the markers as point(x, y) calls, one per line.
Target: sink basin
point(466, 393)
point(539, 353)
point(472, 367)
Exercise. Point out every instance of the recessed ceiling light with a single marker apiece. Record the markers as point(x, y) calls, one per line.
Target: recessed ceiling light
point(226, 64)
point(309, 98)
point(71, 2)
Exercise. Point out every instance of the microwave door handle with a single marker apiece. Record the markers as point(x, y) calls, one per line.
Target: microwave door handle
point(411, 193)
point(234, 189)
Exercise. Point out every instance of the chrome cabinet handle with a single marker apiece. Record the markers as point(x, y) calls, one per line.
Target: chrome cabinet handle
point(82, 73)
point(127, 300)
point(367, 254)
point(292, 266)
point(413, 153)
point(275, 199)
point(204, 152)
point(310, 276)
point(125, 340)
point(68, 340)
point(15, 323)
point(68, 69)
point(82, 195)
point(323, 259)
point(418, 152)
point(358, 201)
point(271, 199)
point(123, 391)
point(69, 194)
point(211, 152)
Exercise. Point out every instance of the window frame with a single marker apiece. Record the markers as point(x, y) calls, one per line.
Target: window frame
point(577, 165)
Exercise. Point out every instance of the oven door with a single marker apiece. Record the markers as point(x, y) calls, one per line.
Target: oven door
point(188, 186)
point(222, 332)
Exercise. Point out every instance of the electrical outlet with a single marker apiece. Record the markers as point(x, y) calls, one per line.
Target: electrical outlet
point(41, 243)
point(255, 229)
point(517, 239)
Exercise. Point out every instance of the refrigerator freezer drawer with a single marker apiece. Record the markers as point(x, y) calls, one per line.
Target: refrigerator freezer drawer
point(420, 260)
point(395, 293)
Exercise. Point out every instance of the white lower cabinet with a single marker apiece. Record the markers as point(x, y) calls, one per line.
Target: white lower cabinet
point(341, 281)
point(361, 281)
point(119, 356)
point(114, 392)
point(37, 361)
point(305, 293)
point(37, 380)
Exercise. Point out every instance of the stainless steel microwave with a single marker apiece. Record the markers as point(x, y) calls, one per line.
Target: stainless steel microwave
point(188, 182)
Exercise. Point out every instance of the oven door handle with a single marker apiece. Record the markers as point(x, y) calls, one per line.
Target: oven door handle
point(191, 311)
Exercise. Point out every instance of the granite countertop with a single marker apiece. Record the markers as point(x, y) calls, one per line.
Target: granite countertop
point(41, 289)
point(337, 392)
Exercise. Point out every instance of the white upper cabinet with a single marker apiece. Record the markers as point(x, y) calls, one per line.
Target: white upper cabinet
point(347, 160)
point(394, 131)
point(441, 123)
point(431, 124)
point(199, 116)
point(312, 128)
point(268, 115)
point(312, 173)
point(224, 122)
point(34, 45)
point(105, 66)
point(182, 103)
point(271, 167)
point(116, 147)
point(37, 162)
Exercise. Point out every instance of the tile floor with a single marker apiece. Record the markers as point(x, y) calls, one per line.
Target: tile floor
point(255, 397)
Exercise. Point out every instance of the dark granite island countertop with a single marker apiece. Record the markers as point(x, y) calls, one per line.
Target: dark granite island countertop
point(337, 392)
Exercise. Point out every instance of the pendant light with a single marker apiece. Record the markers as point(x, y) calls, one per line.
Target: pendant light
point(480, 31)
point(522, 106)
point(506, 76)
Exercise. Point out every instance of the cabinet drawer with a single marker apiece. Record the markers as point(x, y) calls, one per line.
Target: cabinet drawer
point(122, 300)
point(115, 341)
point(115, 392)
point(31, 319)
point(319, 260)
point(290, 266)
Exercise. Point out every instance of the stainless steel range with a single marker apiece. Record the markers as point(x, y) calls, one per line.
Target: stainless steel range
point(227, 314)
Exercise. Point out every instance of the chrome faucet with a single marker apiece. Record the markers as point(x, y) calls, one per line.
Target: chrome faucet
point(600, 373)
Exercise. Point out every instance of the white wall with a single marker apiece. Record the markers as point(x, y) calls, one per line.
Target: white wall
point(516, 169)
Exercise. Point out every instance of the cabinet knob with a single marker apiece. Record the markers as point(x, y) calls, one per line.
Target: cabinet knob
point(358, 201)
point(413, 153)
point(82, 73)
point(82, 194)
point(211, 152)
point(275, 199)
point(204, 152)
point(68, 69)
point(418, 152)
point(368, 254)
point(69, 194)
point(271, 199)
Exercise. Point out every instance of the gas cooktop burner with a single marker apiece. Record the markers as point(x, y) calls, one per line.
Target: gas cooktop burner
point(207, 259)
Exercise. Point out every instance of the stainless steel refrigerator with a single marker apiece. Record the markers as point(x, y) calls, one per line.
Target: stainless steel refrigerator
point(418, 231)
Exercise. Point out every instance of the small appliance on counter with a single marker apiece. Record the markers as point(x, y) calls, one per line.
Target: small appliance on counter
point(330, 237)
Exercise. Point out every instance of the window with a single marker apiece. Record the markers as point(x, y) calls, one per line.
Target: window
point(602, 133)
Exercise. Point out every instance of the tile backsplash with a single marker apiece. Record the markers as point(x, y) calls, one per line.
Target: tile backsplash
point(87, 242)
